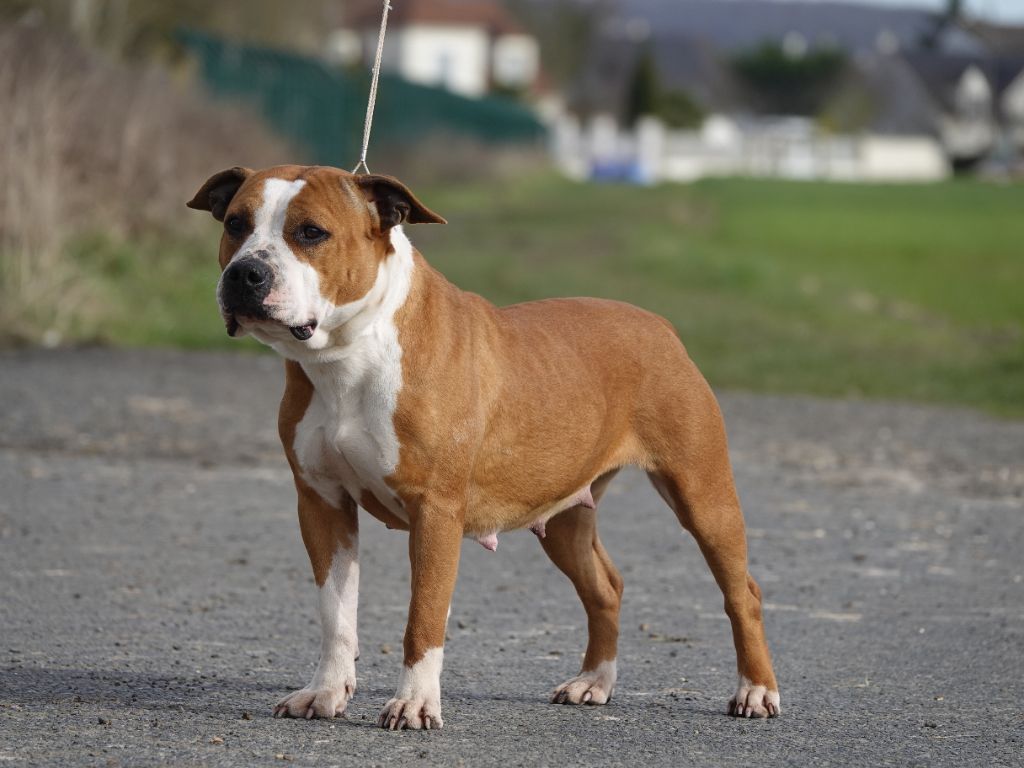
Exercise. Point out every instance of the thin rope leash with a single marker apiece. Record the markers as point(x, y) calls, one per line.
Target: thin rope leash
point(373, 91)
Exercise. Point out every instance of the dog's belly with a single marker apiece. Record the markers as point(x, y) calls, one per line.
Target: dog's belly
point(484, 528)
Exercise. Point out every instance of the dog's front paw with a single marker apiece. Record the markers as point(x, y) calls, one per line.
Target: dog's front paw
point(414, 714)
point(754, 701)
point(589, 687)
point(310, 702)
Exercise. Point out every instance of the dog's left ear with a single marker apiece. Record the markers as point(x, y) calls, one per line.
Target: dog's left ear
point(394, 202)
point(215, 195)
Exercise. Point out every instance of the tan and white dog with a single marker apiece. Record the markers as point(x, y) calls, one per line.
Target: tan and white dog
point(443, 415)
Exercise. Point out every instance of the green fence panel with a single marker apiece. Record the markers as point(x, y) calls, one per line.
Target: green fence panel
point(321, 108)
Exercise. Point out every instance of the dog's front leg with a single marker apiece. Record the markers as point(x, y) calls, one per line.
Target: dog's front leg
point(331, 536)
point(435, 541)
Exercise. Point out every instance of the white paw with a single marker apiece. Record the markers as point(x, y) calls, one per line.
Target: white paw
point(592, 687)
point(310, 702)
point(754, 701)
point(411, 714)
point(417, 703)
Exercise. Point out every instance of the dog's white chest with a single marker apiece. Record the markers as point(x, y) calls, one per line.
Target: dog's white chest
point(346, 439)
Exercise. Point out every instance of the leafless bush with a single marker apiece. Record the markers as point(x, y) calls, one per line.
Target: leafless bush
point(90, 145)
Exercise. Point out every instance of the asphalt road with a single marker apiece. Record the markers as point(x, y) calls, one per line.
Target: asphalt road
point(156, 599)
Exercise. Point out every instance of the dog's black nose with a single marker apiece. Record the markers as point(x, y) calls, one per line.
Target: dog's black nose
point(254, 273)
point(245, 286)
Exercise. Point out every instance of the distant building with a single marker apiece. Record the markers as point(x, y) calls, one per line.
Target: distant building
point(910, 74)
point(977, 102)
point(1012, 104)
point(470, 47)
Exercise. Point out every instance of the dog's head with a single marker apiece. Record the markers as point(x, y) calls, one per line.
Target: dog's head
point(303, 247)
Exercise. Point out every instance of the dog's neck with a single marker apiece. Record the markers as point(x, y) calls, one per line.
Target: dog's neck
point(363, 334)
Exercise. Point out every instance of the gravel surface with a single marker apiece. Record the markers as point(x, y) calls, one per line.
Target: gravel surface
point(156, 598)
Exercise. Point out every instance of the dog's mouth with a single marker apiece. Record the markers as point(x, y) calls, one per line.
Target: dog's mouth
point(303, 332)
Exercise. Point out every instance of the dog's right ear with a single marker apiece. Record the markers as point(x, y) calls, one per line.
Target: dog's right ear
point(215, 195)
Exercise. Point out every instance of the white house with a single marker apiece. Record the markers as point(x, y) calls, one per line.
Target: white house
point(470, 47)
point(1013, 109)
point(979, 103)
point(969, 129)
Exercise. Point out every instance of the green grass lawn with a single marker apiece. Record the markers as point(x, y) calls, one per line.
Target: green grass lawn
point(909, 292)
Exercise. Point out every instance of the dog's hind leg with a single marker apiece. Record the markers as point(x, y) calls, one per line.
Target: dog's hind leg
point(572, 543)
point(696, 481)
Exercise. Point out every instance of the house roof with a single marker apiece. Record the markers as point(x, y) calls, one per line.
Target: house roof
point(489, 14)
point(1000, 39)
point(733, 25)
point(901, 103)
point(941, 74)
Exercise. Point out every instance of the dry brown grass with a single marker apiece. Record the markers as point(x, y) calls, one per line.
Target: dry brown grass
point(452, 159)
point(90, 145)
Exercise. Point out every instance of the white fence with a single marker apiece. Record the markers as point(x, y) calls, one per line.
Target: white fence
point(790, 148)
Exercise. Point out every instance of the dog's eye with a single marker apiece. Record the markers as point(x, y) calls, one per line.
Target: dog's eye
point(311, 234)
point(235, 225)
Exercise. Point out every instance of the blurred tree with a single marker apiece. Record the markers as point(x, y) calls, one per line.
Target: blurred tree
point(145, 28)
point(779, 82)
point(565, 30)
point(679, 110)
point(849, 107)
point(647, 97)
point(950, 17)
point(644, 88)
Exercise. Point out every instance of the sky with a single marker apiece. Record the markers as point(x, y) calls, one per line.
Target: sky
point(1007, 11)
